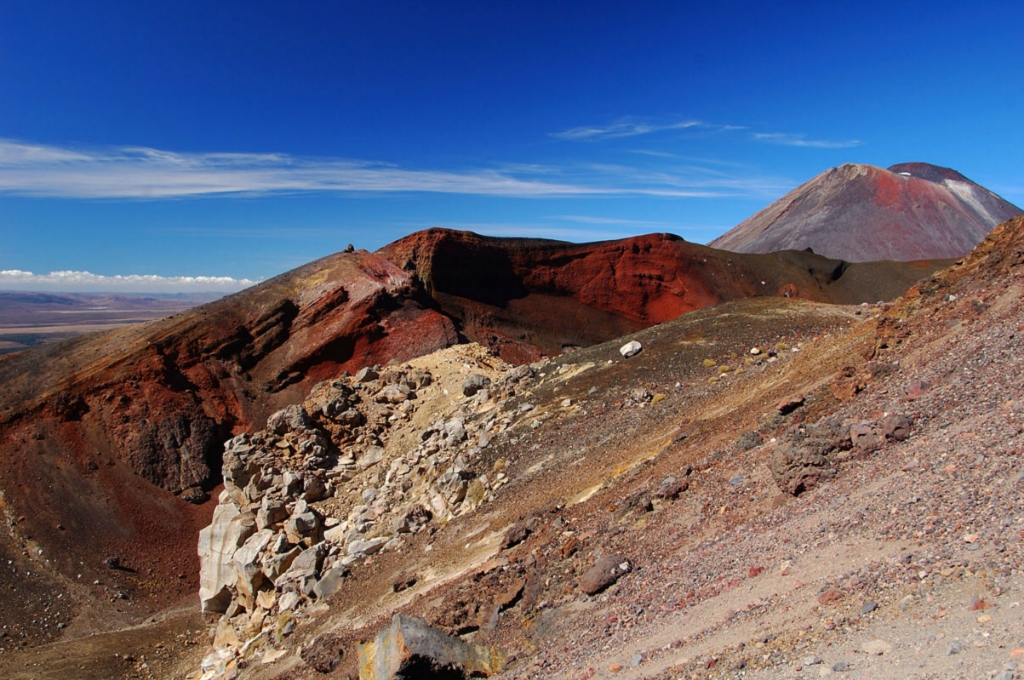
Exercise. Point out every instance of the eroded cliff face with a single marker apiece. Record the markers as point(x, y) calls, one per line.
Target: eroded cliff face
point(105, 437)
point(525, 298)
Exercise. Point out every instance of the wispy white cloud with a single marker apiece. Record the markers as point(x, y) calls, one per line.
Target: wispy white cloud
point(673, 227)
point(143, 173)
point(790, 139)
point(558, 232)
point(133, 172)
point(625, 128)
point(628, 127)
point(695, 181)
point(83, 281)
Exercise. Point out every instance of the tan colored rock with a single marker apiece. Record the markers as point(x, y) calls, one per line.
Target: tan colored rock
point(246, 561)
point(411, 648)
point(217, 545)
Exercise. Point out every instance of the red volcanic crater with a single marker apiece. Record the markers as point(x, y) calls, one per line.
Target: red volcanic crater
point(104, 437)
point(912, 211)
point(525, 297)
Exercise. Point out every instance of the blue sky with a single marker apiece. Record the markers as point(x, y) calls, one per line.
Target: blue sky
point(204, 145)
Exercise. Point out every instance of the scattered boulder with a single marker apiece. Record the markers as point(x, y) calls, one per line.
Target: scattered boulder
point(895, 426)
point(917, 389)
point(516, 535)
point(330, 582)
point(349, 417)
point(474, 383)
point(797, 469)
point(403, 581)
point(670, 488)
point(367, 547)
point(410, 648)
point(787, 406)
point(366, 374)
point(808, 454)
point(604, 573)
point(394, 394)
point(291, 419)
point(195, 495)
point(631, 349)
point(302, 524)
point(272, 511)
point(866, 437)
point(372, 456)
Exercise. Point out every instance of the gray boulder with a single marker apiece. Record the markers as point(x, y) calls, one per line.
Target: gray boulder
point(474, 383)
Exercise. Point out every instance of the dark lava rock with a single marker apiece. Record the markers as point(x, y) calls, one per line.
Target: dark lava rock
point(670, 488)
point(807, 455)
point(866, 437)
point(787, 406)
point(895, 426)
point(516, 535)
point(403, 581)
point(474, 383)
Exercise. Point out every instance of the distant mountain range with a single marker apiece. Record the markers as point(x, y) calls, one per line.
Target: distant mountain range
point(860, 213)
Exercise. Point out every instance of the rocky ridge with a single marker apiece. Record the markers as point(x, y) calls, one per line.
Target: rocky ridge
point(891, 432)
point(324, 488)
point(125, 430)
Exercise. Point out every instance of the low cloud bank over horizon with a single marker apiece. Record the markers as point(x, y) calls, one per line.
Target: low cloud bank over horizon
point(87, 282)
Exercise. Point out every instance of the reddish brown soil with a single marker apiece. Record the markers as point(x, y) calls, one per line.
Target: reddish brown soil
point(100, 435)
point(732, 578)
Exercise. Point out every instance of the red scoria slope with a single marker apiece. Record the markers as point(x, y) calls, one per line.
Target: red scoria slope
point(525, 296)
point(101, 436)
point(911, 211)
point(98, 433)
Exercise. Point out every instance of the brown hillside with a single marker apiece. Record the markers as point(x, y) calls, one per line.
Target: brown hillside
point(104, 436)
point(897, 555)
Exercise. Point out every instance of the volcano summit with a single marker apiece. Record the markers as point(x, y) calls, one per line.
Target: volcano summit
point(858, 213)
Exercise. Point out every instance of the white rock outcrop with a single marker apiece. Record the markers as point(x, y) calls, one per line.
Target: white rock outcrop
point(217, 545)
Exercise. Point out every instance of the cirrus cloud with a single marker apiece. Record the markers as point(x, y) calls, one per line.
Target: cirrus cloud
point(38, 170)
point(791, 139)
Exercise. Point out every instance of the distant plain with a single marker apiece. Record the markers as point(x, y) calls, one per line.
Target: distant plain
point(30, 319)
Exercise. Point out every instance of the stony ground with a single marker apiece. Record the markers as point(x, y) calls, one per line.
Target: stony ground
point(902, 559)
